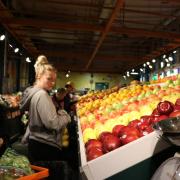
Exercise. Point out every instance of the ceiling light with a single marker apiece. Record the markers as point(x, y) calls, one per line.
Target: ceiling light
point(141, 70)
point(144, 65)
point(67, 75)
point(170, 58)
point(148, 63)
point(2, 37)
point(150, 67)
point(164, 56)
point(128, 75)
point(168, 65)
point(153, 60)
point(132, 70)
point(174, 52)
point(166, 60)
point(124, 77)
point(69, 71)
point(134, 73)
point(162, 64)
point(16, 50)
point(28, 59)
point(10, 45)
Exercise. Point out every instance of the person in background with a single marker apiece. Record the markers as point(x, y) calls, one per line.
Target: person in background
point(68, 99)
point(58, 98)
point(45, 123)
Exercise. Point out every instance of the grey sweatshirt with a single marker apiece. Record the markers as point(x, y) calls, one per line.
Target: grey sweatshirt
point(45, 123)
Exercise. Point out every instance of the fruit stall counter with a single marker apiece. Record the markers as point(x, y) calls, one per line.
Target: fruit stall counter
point(122, 158)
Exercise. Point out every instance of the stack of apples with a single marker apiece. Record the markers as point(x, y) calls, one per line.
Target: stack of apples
point(124, 134)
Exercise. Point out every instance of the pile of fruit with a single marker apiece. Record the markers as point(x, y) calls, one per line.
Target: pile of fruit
point(10, 101)
point(121, 134)
point(133, 109)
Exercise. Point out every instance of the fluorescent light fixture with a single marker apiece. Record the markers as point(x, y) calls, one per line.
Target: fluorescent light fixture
point(16, 50)
point(168, 65)
point(134, 73)
point(148, 63)
point(164, 56)
point(144, 65)
point(170, 58)
point(153, 60)
point(28, 60)
point(175, 52)
point(162, 64)
point(166, 60)
point(2, 37)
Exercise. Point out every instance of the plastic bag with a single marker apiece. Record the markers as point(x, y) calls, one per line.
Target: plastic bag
point(11, 158)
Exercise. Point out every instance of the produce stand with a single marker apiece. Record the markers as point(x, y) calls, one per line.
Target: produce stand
point(123, 158)
point(10, 122)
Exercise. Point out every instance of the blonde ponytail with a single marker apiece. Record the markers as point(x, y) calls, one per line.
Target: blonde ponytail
point(42, 65)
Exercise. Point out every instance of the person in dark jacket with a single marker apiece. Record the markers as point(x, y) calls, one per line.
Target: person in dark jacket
point(68, 99)
point(58, 98)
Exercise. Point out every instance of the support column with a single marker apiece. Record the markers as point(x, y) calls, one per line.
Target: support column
point(2, 64)
point(31, 77)
point(18, 63)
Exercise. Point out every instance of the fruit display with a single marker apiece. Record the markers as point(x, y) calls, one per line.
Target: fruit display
point(10, 101)
point(174, 78)
point(112, 118)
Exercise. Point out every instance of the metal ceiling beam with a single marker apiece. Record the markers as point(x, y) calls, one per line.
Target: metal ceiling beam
point(7, 14)
point(51, 24)
point(88, 27)
point(118, 6)
point(146, 33)
point(85, 56)
point(151, 13)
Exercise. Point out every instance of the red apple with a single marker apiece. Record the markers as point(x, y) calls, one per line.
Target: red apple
point(175, 114)
point(117, 129)
point(155, 112)
point(159, 118)
point(129, 131)
point(103, 135)
point(125, 139)
point(110, 143)
point(93, 153)
point(93, 143)
point(146, 131)
point(165, 107)
point(134, 123)
point(176, 107)
point(177, 103)
point(142, 126)
point(146, 119)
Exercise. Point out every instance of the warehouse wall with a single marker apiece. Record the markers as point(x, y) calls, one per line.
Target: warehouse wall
point(88, 80)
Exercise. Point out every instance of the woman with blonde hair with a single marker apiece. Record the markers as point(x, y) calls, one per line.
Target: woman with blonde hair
point(45, 123)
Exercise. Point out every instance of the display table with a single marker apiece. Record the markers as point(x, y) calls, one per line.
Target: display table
point(118, 161)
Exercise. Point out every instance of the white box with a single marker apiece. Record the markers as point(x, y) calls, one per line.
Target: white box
point(121, 158)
